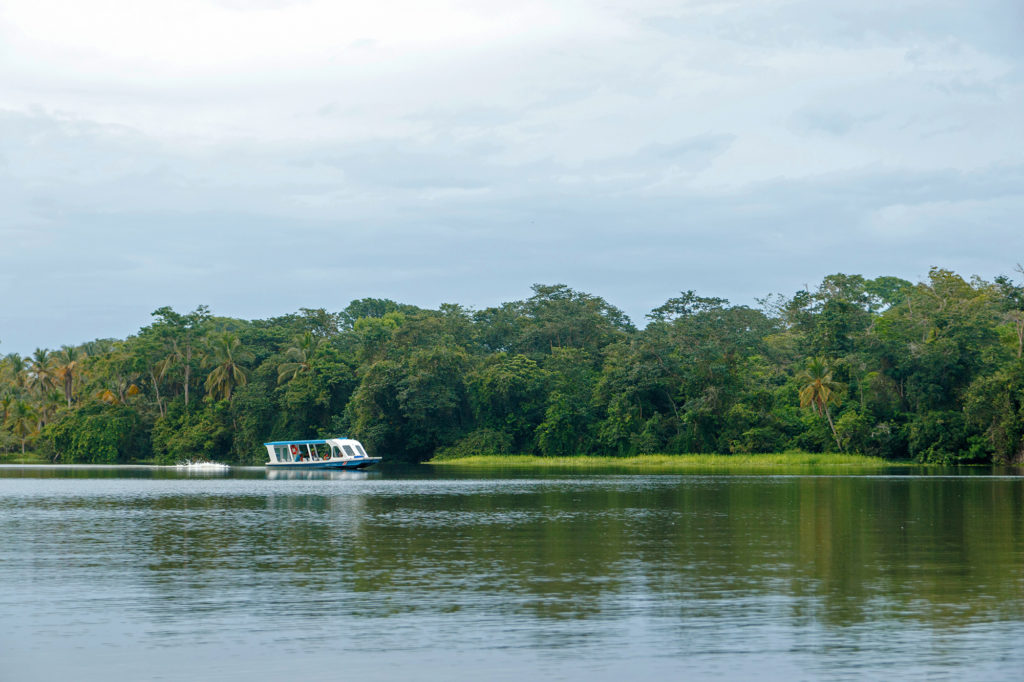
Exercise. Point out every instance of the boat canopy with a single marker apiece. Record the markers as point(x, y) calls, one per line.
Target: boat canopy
point(315, 451)
point(304, 442)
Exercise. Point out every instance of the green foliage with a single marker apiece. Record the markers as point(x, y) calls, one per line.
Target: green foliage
point(98, 434)
point(783, 462)
point(862, 434)
point(181, 436)
point(480, 442)
point(508, 394)
point(883, 367)
point(940, 438)
point(995, 406)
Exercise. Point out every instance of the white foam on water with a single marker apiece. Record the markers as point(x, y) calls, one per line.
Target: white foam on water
point(202, 466)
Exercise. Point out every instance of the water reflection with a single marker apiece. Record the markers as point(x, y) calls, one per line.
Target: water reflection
point(810, 576)
point(313, 475)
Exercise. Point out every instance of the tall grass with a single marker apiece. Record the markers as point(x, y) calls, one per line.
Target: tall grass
point(15, 457)
point(674, 462)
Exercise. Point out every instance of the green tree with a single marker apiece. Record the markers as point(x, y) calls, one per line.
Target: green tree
point(818, 390)
point(299, 357)
point(6, 403)
point(560, 317)
point(14, 371)
point(570, 416)
point(116, 375)
point(22, 421)
point(226, 356)
point(40, 372)
point(183, 331)
point(995, 405)
point(508, 394)
point(98, 434)
point(68, 363)
point(1011, 301)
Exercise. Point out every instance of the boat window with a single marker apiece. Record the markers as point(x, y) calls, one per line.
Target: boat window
point(361, 451)
point(348, 449)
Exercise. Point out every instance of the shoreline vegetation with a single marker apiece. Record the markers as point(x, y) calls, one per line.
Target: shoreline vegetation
point(16, 457)
point(931, 371)
point(681, 462)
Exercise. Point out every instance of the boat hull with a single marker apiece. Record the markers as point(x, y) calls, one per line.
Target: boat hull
point(360, 463)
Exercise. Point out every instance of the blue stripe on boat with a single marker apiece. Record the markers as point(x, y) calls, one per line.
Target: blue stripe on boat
point(351, 464)
point(304, 442)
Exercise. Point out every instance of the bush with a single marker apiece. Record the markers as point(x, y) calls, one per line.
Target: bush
point(758, 439)
point(479, 442)
point(940, 437)
point(98, 434)
point(865, 435)
point(202, 434)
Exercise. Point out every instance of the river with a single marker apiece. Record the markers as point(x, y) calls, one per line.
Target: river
point(412, 573)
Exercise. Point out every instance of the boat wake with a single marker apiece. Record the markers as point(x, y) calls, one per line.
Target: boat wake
point(199, 465)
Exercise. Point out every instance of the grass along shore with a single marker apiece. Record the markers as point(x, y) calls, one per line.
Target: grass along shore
point(675, 462)
point(15, 457)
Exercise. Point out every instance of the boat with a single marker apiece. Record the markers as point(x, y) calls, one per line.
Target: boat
point(330, 453)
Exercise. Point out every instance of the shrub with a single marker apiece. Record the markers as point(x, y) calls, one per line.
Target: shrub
point(98, 434)
point(479, 442)
point(940, 437)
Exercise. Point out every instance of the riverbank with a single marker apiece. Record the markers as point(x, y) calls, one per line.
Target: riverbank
point(778, 460)
point(15, 457)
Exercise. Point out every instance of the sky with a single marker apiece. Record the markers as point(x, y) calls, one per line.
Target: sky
point(259, 156)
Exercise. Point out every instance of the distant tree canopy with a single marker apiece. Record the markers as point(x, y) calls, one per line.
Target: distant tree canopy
point(931, 371)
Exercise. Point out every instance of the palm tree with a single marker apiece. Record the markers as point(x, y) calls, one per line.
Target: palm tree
point(227, 374)
point(23, 421)
point(46, 406)
point(41, 376)
point(118, 390)
point(818, 390)
point(157, 372)
point(6, 404)
point(299, 357)
point(5, 408)
point(14, 370)
point(184, 328)
point(176, 355)
point(68, 362)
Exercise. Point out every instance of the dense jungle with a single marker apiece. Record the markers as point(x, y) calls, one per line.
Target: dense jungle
point(930, 371)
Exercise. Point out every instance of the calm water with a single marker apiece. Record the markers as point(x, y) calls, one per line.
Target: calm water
point(410, 574)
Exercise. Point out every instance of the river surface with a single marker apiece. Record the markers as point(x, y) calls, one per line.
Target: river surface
point(415, 574)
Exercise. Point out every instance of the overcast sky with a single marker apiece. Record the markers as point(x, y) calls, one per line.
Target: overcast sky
point(261, 156)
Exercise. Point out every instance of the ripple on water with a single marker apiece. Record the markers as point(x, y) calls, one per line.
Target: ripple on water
point(589, 577)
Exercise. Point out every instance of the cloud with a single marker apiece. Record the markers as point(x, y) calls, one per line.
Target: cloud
point(319, 151)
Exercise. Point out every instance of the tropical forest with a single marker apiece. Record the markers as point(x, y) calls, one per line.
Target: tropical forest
point(930, 371)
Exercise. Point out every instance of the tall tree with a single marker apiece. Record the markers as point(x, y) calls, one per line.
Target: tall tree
point(14, 371)
point(226, 356)
point(6, 403)
point(818, 390)
point(184, 330)
point(1012, 302)
point(299, 357)
point(68, 363)
point(41, 375)
point(23, 422)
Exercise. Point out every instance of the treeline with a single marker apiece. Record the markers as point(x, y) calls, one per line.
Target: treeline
point(931, 371)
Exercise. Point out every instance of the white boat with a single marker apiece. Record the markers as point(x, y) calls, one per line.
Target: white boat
point(330, 453)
